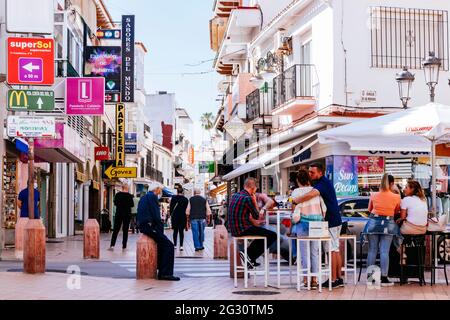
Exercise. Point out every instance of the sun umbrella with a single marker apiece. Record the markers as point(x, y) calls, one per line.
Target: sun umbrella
point(416, 129)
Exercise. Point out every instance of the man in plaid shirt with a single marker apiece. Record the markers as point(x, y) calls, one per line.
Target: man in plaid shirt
point(243, 220)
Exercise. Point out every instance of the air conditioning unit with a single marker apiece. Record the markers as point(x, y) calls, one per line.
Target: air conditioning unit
point(278, 40)
point(282, 43)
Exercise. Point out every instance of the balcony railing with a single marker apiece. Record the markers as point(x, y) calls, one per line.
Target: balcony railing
point(295, 82)
point(259, 103)
point(154, 174)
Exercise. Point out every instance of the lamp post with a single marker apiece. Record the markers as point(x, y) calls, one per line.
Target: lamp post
point(405, 80)
point(431, 66)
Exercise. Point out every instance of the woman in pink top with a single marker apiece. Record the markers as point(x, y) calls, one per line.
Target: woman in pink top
point(381, 228)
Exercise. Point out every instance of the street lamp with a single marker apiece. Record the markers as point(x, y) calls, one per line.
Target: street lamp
point(431, 66)
point(404, 80)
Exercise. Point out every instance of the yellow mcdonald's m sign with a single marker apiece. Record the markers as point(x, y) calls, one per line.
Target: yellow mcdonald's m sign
point(18, 95)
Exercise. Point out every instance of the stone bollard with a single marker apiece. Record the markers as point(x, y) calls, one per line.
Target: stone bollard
point(146, 258)
point(220, 242)
point(239, 262)
point(34, 247)
point(19, 237)
point(91, 239)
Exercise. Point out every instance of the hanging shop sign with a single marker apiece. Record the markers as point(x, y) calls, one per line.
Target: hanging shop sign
point(106, 62)
point(112, 34)
point(130, 149)
point(31, 127)
point(31, 61)
point(128, 58)
point(30, 100)
point(370, 165)
point(120, 135)
point(344, 175)
point(206, 167)
point(124, 172)
point(131, 137)
point(85, 96)
point(101, 153)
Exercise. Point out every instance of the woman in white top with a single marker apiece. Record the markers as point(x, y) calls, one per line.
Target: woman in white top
point(414, 210)
point(311, 210)
point(413, 214)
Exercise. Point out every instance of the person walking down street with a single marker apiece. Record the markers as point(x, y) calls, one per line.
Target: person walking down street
point(243, 220)
point(381, 227)
point(197, 212)
point(178, 206)
point(124, 202)
point(324, 187)
point(134, 228)
point(150, 224)
point(22, 202)
point(305, 212)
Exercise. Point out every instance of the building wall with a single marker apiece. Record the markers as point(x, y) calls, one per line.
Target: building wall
point(160, 109)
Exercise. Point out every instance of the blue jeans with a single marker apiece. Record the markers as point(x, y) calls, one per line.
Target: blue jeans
point(302, 229)
point(198, 232)
point(380, 231)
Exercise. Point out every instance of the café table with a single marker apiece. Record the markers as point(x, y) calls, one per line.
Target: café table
point(280, 214)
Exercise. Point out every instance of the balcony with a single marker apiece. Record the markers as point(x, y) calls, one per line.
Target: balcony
point(294, 91)
point(154, 174)
point(259, 104)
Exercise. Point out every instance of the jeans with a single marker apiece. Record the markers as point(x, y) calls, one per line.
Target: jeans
point(302, 229)
point(381, 232)
point(256, 248)
point(121, 221)
point(198, 232)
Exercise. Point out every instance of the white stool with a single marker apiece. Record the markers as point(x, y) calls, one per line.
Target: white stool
point(307, 272)
point(244, 268)
point(345, 268)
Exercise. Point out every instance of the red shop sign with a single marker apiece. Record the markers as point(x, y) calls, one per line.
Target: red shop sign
point(101, 153)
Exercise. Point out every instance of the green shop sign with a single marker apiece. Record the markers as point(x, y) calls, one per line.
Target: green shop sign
point(31, 100)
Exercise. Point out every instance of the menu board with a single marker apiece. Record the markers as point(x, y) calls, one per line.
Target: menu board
point(9, 180)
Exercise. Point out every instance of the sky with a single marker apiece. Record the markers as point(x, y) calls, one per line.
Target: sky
point(176, 35)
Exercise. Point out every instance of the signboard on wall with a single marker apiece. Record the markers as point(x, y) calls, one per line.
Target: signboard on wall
point(30, 100)
point(85, 96)
point(206, 167)
point(120, 135)
point(127, 58)
point(31, 61)
point(101, 153)
point(370, 165)
point(104, 61)
point(345, 175)
point(25, 16)
point(31, 127)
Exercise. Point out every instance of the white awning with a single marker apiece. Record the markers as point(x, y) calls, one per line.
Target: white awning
point(294, 155)
point(265, 158)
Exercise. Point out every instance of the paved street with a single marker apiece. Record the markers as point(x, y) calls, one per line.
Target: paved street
point(113, 277)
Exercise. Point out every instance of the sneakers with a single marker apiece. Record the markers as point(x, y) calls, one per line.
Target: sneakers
point(111, 249)
point(169, 278)
point(245, 259)
point(175, 247)
point(385, 282)
point(338, 283)
point(181, 248)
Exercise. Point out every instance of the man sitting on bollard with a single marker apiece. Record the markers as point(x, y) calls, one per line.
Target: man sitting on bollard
point(150, 223)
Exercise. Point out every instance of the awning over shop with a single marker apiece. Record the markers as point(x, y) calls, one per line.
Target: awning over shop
point(294, 155)
point(219, 190)
point(265, 159)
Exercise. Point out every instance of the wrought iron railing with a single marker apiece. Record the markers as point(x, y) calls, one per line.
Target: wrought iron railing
point(259, 103)
point(295, 82)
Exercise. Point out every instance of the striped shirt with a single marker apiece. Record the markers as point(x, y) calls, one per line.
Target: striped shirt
point(242, 205)
point(311, 210)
